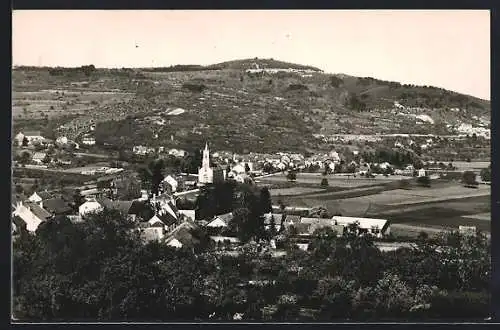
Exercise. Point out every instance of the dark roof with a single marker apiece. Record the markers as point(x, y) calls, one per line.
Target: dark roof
point(167, 218)
point(122, 206)
point(44, 195)
point(39, 212)
point(56, 205)
point(137, 207)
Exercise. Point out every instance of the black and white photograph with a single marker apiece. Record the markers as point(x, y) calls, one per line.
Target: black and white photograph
point(241, 166)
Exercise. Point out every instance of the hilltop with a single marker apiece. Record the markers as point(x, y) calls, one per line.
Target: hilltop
point(280, 106)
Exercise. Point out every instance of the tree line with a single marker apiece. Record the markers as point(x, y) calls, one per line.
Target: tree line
point(99, 270)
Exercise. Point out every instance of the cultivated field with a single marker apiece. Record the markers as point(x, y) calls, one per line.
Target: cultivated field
point(55, 103)
point(293, 191)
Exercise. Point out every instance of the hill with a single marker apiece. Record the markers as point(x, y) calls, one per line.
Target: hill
point(235, 108)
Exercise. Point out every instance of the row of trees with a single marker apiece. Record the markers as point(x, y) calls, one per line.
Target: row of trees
point(100, 270)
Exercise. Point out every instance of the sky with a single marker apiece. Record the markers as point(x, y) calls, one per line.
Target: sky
point(442, 48)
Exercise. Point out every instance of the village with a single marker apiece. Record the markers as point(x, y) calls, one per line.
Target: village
point(169, 213)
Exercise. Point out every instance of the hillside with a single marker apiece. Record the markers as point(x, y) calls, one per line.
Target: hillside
point(233, 108)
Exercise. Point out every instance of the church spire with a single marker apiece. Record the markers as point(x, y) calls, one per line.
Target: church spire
point(206, 157)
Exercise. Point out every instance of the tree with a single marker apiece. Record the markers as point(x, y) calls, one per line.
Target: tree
point(46, 159)
point(291, 176)
point(25, 142)
point(247, 168)
point(424, 181)
point(469, 179)
point(486, 174)
point(25, 157)
point(324, 182)
point(265, 200)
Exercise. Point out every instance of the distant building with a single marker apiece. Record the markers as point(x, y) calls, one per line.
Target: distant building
point(375, 227)
point(421, 172)
point(38, 157)
point(33, 136)
point(39, 197)
point(88, 140)
point(89, 207)
point(62, 140)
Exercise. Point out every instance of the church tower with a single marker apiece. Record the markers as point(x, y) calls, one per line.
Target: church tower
point(205, 172)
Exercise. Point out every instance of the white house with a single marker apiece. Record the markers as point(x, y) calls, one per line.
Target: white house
point(31, 214)
point(172, 182)
point(19, 138)
point(33, 136)
point(38, 198)
point(190, 214)
point(174, 242)
point(38, 157)
point(62, 140)
point(421, 172)
point(221, 220)
point(376, 227)
point(88, 140)
point(88, 207)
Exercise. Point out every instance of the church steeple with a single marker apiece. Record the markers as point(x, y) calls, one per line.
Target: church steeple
point(206, 157)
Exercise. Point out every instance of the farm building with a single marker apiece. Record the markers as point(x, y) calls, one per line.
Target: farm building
point(376, 227)
point(221, 220)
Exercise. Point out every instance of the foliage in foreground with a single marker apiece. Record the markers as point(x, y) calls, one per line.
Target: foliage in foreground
point(100, 270)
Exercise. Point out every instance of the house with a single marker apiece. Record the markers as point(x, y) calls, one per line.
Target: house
point(277, 220)
point(39, 197)
point(38, 157)
point(19, 138)
point(291, 220)
point(421, 172)
point(221, 221)
point(31, 215)
point(62, 140)
point(153, 233)
point(90, 206)
point(33, 136)
point(88, 140)
point(171, 182)
point(181, 236)
point(375, 227)
point(225, 240)
point(57, 206)
point(188, 214)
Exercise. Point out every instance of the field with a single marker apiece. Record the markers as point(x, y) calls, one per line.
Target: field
point(56, 103)
point(444, 206)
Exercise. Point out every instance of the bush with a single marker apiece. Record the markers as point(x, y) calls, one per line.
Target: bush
point(424, 181)
point(324, 182)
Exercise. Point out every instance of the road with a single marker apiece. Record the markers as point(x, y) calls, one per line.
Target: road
point(95, 155)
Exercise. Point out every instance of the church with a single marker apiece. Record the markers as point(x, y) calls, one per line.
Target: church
point(207, 174)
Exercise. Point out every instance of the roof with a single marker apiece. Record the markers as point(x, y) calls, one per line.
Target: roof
point(38, 211)
point(56, 205)
point(44, 195)
point(226, 218)
point(365, 223)
point(32, 133)
point(292, 218)
point(155, 220)
point(39, 155)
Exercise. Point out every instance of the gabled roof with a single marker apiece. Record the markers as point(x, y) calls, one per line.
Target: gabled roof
point(227, 217)
point(56, 205)
point(155, 221)
point(39, 212)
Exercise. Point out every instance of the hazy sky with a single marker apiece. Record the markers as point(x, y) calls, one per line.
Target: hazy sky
point(449, 49)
